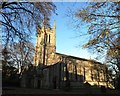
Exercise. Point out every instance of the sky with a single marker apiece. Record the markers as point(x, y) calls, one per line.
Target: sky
point(67, 39)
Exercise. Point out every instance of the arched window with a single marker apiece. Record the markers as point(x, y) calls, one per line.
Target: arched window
point(46, 37)
point(49, 38)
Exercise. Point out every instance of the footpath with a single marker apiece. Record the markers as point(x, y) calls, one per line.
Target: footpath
point(12, 91)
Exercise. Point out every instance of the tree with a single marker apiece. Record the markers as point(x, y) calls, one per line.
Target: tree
point(9, 72)
point(103, 30)
point(16, 57)
point(6, 61)
point(113, 55)
point(17, 18)
point(22, 53)
point(113, 58)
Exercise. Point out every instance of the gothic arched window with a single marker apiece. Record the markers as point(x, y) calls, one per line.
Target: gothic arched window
point(46, 37)
point(49, 38)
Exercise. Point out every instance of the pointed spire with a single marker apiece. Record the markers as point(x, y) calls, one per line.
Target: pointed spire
point(44, 22)
point(38, 28)
point(43, 25)
point(54, 26)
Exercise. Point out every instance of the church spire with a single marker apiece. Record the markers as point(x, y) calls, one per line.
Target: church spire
point(54, 26)
point(43, 25)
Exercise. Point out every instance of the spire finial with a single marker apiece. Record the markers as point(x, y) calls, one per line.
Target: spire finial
point(43, 25)
point(54, 26)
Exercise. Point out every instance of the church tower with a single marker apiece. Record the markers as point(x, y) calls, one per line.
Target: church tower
point(45, 45)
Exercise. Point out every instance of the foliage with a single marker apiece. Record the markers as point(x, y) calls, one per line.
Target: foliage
point(16, 56)
point(103, 20)
point(9, 74)
point(104, 23)
point(21, 54)
point(18, 18)
point(6, 58)
point(113, 55)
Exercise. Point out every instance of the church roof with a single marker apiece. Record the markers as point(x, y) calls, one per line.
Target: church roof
point(78, 58)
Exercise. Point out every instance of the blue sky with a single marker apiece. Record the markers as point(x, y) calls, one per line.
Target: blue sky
point(67, 40)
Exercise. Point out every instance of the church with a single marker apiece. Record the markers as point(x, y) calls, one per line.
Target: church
point(56, 70)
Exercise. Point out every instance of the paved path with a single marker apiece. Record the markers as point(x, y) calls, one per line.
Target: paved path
point(34, 92)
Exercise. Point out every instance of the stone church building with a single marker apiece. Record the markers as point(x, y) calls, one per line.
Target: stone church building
point(56, 70)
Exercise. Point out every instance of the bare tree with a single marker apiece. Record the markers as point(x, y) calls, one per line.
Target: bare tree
point(18, 18)
point(22, 53)
point(18, 54)
point(102, 19)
